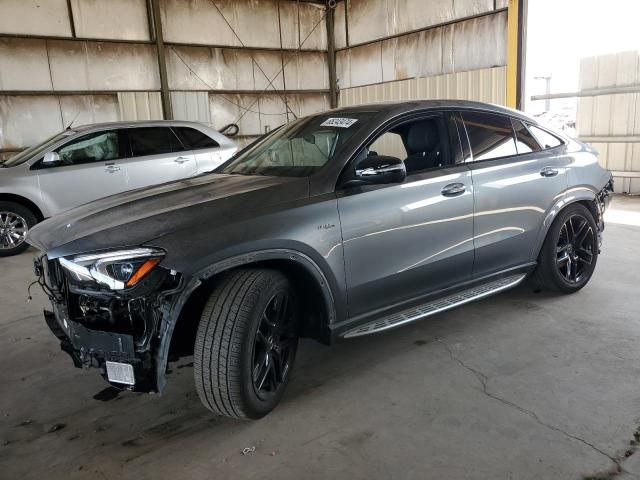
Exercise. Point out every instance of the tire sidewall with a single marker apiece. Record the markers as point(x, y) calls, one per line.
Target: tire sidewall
point(255, 406)
point(551, 244)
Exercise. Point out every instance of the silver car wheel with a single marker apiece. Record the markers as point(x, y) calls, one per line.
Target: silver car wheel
point(13, 230)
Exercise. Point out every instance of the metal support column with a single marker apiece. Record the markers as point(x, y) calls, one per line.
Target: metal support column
point(515, 53)
point(162, 66)
point(331, 57)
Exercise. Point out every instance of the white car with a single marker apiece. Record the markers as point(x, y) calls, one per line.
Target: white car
point(83, 164)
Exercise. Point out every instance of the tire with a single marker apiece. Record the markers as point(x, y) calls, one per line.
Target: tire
point(235, 344)
point(20, 219)
point(567, 269)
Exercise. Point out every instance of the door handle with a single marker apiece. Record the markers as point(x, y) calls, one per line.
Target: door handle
point(111, 168)
point(181, 159)
point(453, 189)
point(549, 172)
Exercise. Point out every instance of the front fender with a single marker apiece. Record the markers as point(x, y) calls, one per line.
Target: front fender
point(171, 309)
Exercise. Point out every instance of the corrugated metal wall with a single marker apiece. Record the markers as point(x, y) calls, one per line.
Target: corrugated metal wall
point(486, 85)
point(97, 60)
point(611, 123)
point(412, 49)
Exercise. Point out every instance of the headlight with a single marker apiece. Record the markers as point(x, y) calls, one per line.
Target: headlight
point(117, 270)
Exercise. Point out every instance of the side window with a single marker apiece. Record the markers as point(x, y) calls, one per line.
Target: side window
point(389, 144)
point(93, 147)
point(491, 136)
point(194, 139)
point(421, 144)
point(153, 141)
point(545, 139)
point(525, 142)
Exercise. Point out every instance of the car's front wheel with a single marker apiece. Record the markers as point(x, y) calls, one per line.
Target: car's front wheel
point(15, 222)
point(246, 343)
point(570, 251)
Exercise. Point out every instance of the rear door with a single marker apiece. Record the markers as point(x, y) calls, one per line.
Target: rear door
point(207, 152)
point(515, 183)
point(157, 156)
point(91, 166)
point(403, 241)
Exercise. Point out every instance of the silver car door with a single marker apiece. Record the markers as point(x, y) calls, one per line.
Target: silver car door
point(403, 241)
point(90, 167)
point(157, 156)
point(514, 183)
point(209, 147)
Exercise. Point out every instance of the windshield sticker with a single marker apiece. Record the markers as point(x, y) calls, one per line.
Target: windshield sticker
point(339, 122)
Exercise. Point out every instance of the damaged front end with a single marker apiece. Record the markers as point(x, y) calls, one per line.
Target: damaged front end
point(108, 312)
point(602, 201)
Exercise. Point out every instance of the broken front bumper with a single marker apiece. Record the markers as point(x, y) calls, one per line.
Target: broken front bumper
point(97, 349)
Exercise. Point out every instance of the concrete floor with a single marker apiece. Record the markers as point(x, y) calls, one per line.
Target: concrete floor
point(521, 385)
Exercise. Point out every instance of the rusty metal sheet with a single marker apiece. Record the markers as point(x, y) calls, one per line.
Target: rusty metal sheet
point(28, 120)
point(470, 45)
point(35, 17)
point(480, 43)
point(377, 19)
point(340, 28)
point(305, 71)
point(102, 66)
point(198, 21)
point(23, 64)
point(117, 19)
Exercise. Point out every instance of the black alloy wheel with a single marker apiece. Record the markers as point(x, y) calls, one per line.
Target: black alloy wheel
point(246, 343)
point(570, 251)
point(275, 340)
point(575, 248)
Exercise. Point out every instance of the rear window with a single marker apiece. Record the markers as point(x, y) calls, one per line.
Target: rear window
point(194, 139)
point(153, 141)
point(490, 136)
point(546, 139)
point(525, 142)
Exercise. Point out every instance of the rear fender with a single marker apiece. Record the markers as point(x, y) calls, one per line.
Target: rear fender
point(572, 195)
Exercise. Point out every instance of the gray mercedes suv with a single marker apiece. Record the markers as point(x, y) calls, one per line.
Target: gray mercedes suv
point(337, 225)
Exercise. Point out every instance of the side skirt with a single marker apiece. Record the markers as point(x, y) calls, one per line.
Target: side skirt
point(435, 306)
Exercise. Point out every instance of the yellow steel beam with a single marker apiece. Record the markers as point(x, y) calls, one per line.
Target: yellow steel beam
point(513, 36)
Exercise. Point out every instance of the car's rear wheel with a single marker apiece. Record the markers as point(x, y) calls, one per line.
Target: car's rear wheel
point(246, 343)
point(570, 251)
point(15, 222)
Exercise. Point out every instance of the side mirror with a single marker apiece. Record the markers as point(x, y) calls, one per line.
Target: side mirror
point(380, 169)
point(51, 158)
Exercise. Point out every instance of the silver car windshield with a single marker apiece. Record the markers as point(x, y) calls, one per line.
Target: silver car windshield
point(300, 148)
point(36, 150)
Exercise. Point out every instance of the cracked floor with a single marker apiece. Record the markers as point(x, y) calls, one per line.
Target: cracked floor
point(522, 385)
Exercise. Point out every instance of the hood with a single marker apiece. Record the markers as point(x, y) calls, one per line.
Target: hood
point(141, 216)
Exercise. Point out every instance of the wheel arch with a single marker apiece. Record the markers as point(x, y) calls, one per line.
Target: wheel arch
point(25, 202)
point(582, 195)
point(181, 315)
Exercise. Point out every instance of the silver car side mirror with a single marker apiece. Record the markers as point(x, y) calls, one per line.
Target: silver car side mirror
point(51, 157)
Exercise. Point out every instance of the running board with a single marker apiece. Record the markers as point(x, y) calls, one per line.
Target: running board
point(436, 306)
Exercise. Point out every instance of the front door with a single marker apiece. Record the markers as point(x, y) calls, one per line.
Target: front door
point(90, 167)
point(404, 241)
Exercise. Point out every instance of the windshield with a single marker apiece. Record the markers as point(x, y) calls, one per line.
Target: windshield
point(300, 148)
point(41, 148)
